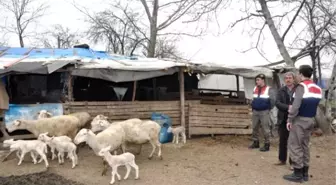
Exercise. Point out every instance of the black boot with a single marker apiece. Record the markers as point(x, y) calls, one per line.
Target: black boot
point(266, 148)
point(305, 173)
point(254, 145)
point(296, 176)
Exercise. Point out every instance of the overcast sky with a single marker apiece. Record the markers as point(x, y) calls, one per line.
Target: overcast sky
point(225, 47)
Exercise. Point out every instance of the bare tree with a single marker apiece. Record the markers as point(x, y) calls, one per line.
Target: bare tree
point(166, 48)
point(118, 32)
point(25, 13)
point(59, 37)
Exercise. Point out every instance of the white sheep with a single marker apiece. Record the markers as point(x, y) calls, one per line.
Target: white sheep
point(29, 146)
point(44, 114)
point(62, 147)
point(113, 136)
point(180, 130)
point(45, 138)
point(84, 118)
point(9, 142)
point(137, 131)
point(63, 125)
point(126, 159)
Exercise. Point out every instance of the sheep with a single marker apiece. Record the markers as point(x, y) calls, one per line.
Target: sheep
point(64, 146)
point(180, 130)
point(137, 131)
point(126, 159)
point(29, 146)
point(44, 114)
point(44, 137)
point(84, 118)
point(63, 125)
point(113, 136)
point(9, 142)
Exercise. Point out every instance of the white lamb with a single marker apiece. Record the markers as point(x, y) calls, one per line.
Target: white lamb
point(44, 114)
point(126, 159)
point(9, 142)
point(137, 131)
point(113, 136)
point(31, 146)
point(65, 146)
point(180, 130)
point(45, 138)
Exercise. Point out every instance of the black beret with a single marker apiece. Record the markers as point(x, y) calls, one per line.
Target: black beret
point(261, 76)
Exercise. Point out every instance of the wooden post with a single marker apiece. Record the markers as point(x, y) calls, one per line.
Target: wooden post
point(237, 82)
point(134, 90)
point(70, 87)
point(181, 79)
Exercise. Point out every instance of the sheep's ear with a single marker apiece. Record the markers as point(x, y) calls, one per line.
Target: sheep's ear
point(108, 148)
point(49, 113)
point(105, 117)
point(46, 133)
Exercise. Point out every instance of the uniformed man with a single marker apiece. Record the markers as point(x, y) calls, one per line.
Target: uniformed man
point(263, 101)
point(300, 123)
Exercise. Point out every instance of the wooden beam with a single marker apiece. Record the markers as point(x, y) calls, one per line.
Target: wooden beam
point(70, 87)
point(134, 90)
point(182, 98)
point(206, 131)
point(237, 82)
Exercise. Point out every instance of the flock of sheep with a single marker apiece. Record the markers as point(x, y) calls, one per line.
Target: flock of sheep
point(63, 133)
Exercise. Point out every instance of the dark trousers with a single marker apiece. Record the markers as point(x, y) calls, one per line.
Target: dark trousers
point(283, 140)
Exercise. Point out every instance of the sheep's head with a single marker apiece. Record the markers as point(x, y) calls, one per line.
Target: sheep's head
point(104, 150)
point(82, 136)
point(16, 125)
point(99, 125)
point(8, 142)
point(43, 137)
point(44, 114)
point(100, 117)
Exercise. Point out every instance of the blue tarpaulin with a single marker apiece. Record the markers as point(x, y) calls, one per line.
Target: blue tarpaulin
point(29, 111)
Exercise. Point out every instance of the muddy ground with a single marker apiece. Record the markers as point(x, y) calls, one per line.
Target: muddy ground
point(223, 160)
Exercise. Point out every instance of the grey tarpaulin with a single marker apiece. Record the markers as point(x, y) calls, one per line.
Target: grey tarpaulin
point(121, 75)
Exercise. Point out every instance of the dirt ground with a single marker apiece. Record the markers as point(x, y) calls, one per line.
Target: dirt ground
point(223, 160)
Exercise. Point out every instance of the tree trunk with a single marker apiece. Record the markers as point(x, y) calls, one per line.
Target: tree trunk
point(21, 41)
point(331, 88)
point(152, 42)
point(277, 38)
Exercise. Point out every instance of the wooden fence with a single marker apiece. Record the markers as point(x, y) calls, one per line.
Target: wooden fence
point(117, 111)
point(219, 119)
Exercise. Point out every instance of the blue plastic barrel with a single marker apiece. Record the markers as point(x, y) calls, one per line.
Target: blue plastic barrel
point(165, 122)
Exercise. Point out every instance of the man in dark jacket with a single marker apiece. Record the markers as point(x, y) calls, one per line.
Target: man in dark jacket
point(283, 102)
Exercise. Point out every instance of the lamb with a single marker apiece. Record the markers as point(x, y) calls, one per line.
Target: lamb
point(44, 114)
point(180, 130)
point(113, 136)
point(61, 146)
point(63, 125)
point(126, 159)
point(137, 131)
point(31, 146)
point(9, 142)
point(45, 138)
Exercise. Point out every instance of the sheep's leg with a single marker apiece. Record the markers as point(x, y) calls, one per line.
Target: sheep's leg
point(115, 152)
point(10, 152)
point(33, 157)
point(62, 157)
point(18, 154)
point(153, 150)
point(75, 156)
point(44, 157)
point(59, 158)
point(72, 157)
point(177, 138)
point(118, 176)
point(105, 167)
point(158, 144)
point(123, 148)
point(128, 170)
point(139, 149)
point(113, 174)
point(53, 155)
point(184, 137)
point(174, 138)
point(23, 153)
point(136, 168)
